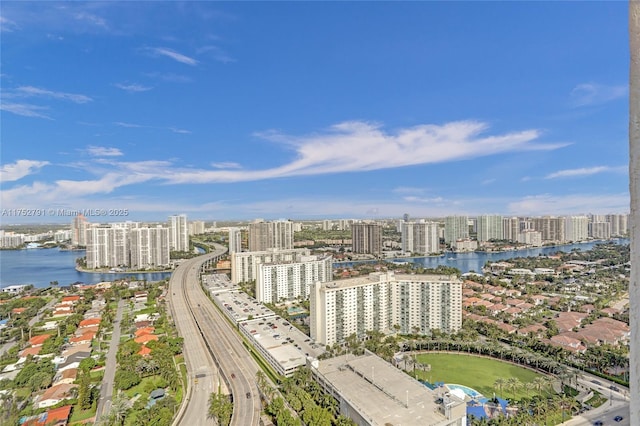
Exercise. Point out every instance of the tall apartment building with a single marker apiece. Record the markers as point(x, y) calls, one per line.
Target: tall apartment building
point(600, 230)
point(490, 227)
point(576, 228)
point(78, 230)
point(235, 240)
point(420, 237)
point(271, 235)
point(619, 224)
point(456, 228)
point(149, 247)
point(244, 265)
point(552, 228)
point(178, 233)
point(383, 301)
point(291, 280)
point(196, 227)
point(510, 228)
point(366, 237)
point(107, 246)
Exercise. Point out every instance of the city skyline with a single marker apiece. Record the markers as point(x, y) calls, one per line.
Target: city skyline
point(304, 111)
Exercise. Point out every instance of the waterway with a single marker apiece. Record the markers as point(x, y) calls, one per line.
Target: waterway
point(41, 266)
point(475, 261)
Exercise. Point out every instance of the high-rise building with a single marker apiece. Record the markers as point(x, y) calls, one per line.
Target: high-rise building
point(78, 230)
point(387, 303)
point(178, 233)
point(420, 237)
point(366, 238)
point(510, 228)
point(600, 230)
point(576, 228)
point(619, 224)
point(289, 281)
point(271, 235)
point(107, 246)
point(196, 227)
point(149, 247)
point(490, 227)
point(456, 228)
point(235, 240)
point(552, 228)
point(244, 265)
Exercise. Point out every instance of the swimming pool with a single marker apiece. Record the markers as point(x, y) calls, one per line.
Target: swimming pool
point(467, 390)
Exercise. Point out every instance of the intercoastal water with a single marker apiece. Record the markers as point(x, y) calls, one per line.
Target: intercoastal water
point(474, 261)
point(41, 266)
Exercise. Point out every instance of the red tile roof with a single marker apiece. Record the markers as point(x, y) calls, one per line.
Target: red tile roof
point(89, 322)
point(145, 338)
point(39, 340)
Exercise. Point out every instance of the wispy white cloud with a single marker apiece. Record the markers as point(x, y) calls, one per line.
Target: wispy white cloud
point(408, 190)
point(338, 150)
point(91, 19)
point(570, 204)
point(587, 94)
point(414, 199)
point(488, 181)
point(102, 151)
point(217, 53)
point(26, 110)
point(586, 171)
point(341, 150)
point(170, 53)
point(128, 125)
point(133, 88)
point(7, 25)
point(226, 165)
point(180, 131)
point(30, 91)
point(19, 169)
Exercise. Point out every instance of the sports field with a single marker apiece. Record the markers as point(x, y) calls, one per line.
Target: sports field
point(477, 373)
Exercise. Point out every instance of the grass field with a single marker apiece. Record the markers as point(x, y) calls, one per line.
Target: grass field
point(477, 373)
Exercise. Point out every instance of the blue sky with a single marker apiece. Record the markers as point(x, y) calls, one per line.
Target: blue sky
point(310, 110)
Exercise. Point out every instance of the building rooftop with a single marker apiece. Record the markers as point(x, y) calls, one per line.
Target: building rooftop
point(382, 393)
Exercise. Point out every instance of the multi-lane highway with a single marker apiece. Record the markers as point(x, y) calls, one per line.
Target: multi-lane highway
point(215, 356)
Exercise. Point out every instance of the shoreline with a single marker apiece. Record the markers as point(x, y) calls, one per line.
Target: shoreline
point(94, 271)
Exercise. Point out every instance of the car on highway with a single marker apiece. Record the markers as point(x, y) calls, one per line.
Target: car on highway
point(248, 395)
point(233, 376)
point(618, 418)
point(597, 423)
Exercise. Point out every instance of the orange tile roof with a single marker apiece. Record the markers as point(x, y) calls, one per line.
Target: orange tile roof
point(39, 340)
point(60, 414)
point(70, 298)
point(145, 330)
point(85, 337)
point(144, 351)
point(34, 350)
point(18, 310)
point(89, 322)
point(145, 338)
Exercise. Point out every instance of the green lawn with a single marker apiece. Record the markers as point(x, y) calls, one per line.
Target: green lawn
point(475, 372)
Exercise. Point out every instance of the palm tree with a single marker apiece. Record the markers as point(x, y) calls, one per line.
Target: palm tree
point(514, 384)
point(499, 384)
point(539, 383)
point(528, 386)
